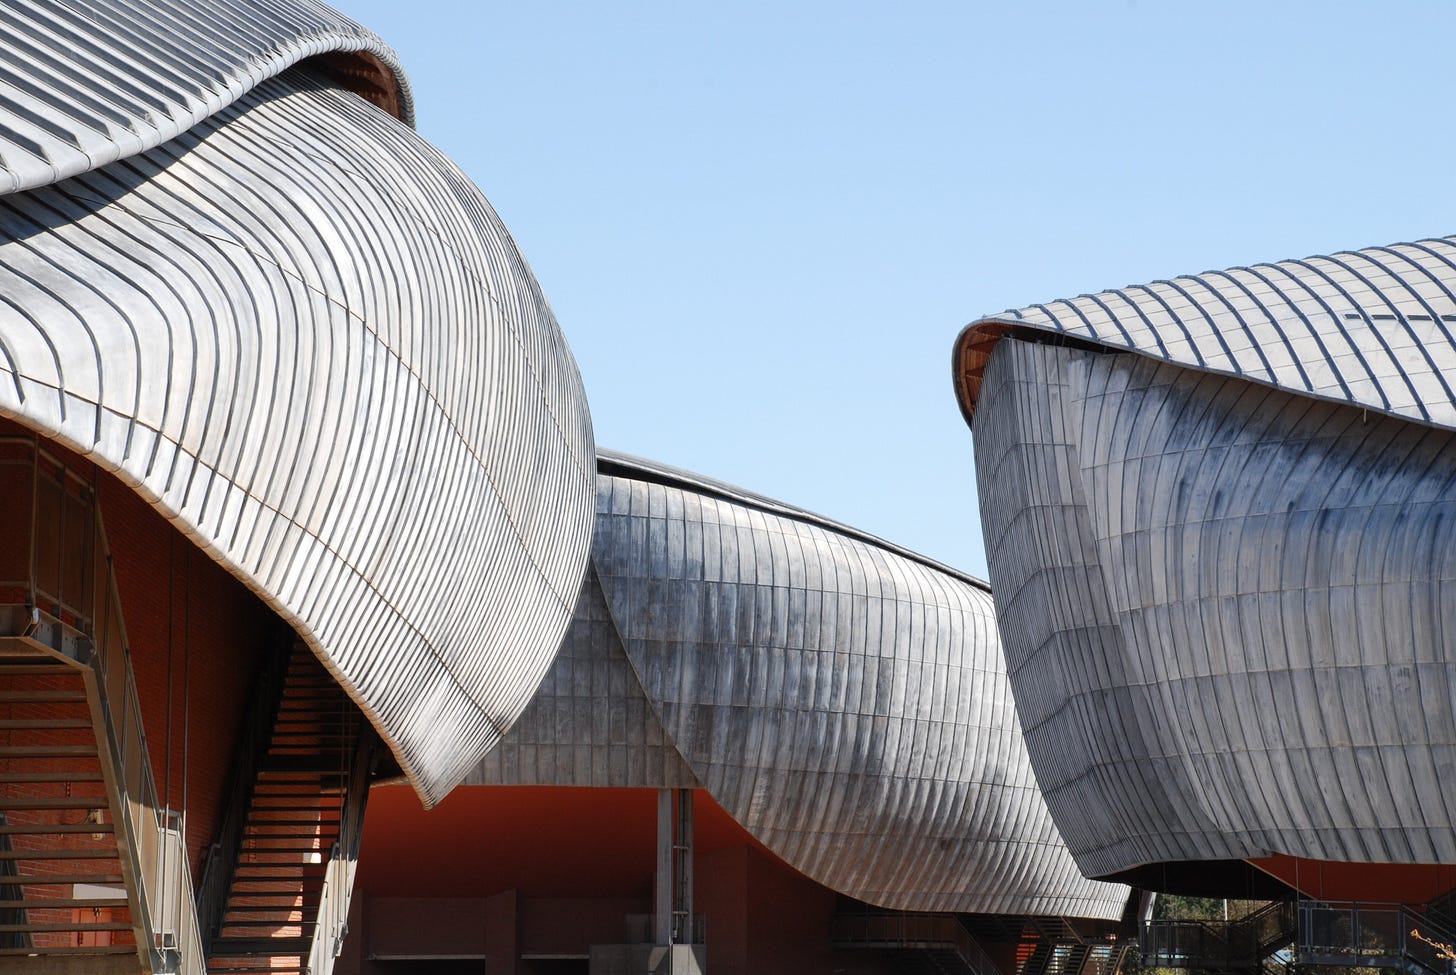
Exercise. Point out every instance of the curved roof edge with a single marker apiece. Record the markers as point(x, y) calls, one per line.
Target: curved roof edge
point(95, 81)
point(1375, 328)
point(616, 463)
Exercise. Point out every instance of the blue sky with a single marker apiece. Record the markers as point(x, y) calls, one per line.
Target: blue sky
point(762, 225)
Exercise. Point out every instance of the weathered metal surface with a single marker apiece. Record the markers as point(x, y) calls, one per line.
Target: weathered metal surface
point(306, 338)
point(1375, 327)
point(87, 82)
point(590, 724)
point(844, 700)
point(1226, 608)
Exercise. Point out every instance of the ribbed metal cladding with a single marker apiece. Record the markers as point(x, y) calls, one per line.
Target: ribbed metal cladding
point(1374, 327)
point(1227, 609)
point(843, 699)
point(305, 337)
point(87, 82)
point(590, 724)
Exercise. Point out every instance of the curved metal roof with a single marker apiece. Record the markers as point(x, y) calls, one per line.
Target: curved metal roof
point(87, 82)
point(1227, 613)
point(305, 337)
point(1375, 327)
point(616, 463)
point(846, 703)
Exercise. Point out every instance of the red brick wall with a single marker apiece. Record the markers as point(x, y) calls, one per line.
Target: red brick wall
point(195, 629)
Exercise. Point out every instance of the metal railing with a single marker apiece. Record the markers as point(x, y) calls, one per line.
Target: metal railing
point(909, 929)
point(1371, 935)
point(72, 611)
point(338, 888)
point(1345, 934)
point(222, 856)
point(1219, 945)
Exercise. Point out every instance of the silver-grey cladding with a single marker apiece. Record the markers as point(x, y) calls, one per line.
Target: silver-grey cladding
point(1226, 610)
point(589, 724)
point(845, 701)
point(87, 82)
point(305, 336)
point(1374, 327)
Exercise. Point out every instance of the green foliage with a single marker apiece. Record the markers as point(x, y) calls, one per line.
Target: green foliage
point(1176, 908)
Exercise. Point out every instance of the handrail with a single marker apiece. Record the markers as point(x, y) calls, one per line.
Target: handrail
point(914, 929)
point(1239, 943)
point(1347, 933)
point(338, 888)
point(1366, 934)
point(14, 917)
point(971, 952)
point(222, 856)
point(1436, 925)
point(70, 583)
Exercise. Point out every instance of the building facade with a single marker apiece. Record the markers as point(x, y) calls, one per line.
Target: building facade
point(267, 353)
point(1218, 517)
point(833, 712)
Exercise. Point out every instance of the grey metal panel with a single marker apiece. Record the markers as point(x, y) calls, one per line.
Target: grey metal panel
point(589, 724)
point(846, 703)
point(304, 335)
point(1226, 611)
point(1375, 327)
point(87, 82)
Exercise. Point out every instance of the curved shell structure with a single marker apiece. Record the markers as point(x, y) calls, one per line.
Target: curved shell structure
point(303, 334)
point(843, 699)
point(88, 82)
point(1219, 515)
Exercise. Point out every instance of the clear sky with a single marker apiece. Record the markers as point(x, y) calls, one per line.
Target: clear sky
point(762, 225)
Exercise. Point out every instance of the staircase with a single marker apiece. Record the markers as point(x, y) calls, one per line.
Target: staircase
point(62, 884)
point(1305, 933)
point(297, 815)
point(1033, 956)
point(930, 961)
point(94, 875)
point(1355, 935)
point(1068, 959)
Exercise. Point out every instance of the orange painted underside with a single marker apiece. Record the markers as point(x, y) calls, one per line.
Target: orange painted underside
point(542, 841)
point(1369, 882)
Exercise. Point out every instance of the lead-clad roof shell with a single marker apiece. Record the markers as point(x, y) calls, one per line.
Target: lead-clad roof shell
point(1375, 327)
point(84, 83)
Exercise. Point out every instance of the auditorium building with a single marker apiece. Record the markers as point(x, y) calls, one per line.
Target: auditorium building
point(330, 641)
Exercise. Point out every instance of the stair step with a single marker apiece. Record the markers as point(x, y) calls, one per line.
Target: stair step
point(50, 880)
point(43, 697)
point(56, 855)
point(46, 904)
point(57, 928)
point(43, 724)
point(51, 829)
point(88, 950)
point(33, 670)
point(240, 947)
point(56, 802)
point(24, 777)
point(47, 751)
